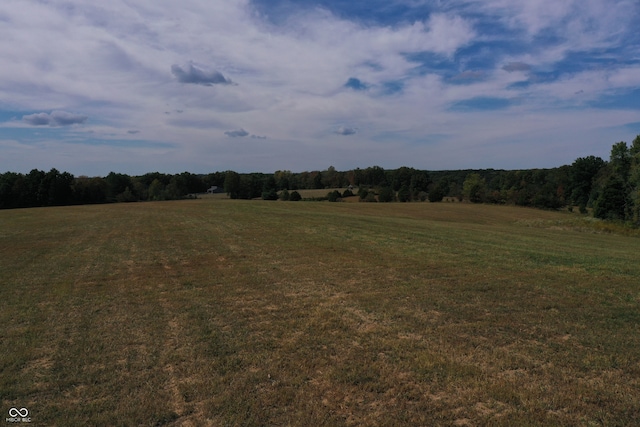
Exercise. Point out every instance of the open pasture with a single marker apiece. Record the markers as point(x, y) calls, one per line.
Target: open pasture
point(250, 313)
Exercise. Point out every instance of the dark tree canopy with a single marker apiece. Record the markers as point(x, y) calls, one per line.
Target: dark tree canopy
point(610, 188)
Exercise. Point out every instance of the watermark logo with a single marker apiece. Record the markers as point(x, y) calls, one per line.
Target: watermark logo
point(18, 415)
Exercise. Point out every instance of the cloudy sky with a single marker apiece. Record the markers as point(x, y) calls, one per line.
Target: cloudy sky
point(135, 86)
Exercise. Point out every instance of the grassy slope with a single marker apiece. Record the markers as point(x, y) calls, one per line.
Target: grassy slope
point(227, 312)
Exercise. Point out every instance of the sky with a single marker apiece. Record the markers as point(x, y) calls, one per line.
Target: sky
point(137, 86)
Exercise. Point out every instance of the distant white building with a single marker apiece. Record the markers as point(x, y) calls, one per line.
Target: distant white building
point(212, 190)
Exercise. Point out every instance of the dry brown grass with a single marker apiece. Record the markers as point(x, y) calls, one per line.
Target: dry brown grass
point(219, 312)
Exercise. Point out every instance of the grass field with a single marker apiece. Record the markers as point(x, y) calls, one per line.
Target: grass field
point(250, 313)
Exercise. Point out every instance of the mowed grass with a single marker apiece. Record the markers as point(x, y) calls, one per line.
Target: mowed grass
point(252, 313)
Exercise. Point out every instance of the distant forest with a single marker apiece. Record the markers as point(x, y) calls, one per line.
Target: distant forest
point(609, 189)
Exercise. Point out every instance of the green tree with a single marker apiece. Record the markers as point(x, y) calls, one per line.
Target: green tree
point(270, 194)
point(610, 203)
point(215, 179)
point(55, 188)
point(156, 190)
point(615, 190)
point(371, 197)
point(436, 194)
point(374, 175)
point(269, 191)
point(474, 188)
point(455, 190)
point(191, 183)
point(547, 197)
point(404, 194)
point(634, 181)
point(420, 182)
point(295, 196)
point(385, 195)
point(331, 178)
point(177, 187)
point(362, 193)
point(283, 180)
point(334, 196)
point(90, 190)
point(620, 160)
point(581, 177)
point(401, 177)
point(126, 196)
point(232, 184)
point(317, 181)
point(34, 194)
point(8, 199)
point(140, 189)
point(116, 184)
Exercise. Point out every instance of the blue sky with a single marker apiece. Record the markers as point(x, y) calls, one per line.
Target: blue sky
point(262, 85)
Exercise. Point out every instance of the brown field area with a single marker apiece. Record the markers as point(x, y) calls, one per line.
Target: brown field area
point(216, 312)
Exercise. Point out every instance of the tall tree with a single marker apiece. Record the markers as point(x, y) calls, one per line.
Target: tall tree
point(8, 199)
point(55, 188)
point(116, 184)
point(317, 181)
point(582, 176)
point(386, 194)
point(620, 160)
point(232, 184)
point(634, 181)
point(156, 190)
point(420, 182)
point(401, 177)
point(269, 191)
point(615, 188)
point(611, 201)
point(374, 176)
point(474, 188)
point(283, 179)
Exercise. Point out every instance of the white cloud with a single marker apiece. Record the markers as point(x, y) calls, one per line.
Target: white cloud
point(577, 24)
point(125, 64)
point(625, 77)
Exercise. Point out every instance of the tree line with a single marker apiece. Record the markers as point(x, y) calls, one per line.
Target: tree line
point(610, 189)
point(54, 188)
